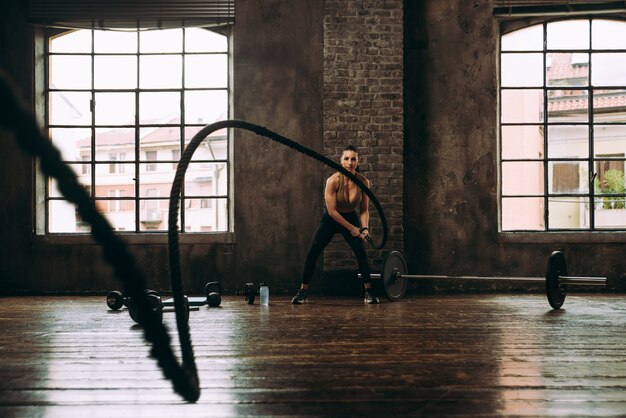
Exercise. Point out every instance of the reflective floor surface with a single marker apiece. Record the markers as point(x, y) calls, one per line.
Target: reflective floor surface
point(440, 355)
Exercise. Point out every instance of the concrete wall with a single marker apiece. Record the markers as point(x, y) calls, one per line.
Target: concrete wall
point(278, 84)
point(448, 175)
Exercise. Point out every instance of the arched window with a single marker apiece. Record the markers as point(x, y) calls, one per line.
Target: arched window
point(563, 126)
point(121, 106)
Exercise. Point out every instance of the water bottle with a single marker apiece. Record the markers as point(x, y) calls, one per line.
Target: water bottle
point(264, 292)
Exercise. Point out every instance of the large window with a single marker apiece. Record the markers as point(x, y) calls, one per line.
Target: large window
point(121, 106)
point(563, 126)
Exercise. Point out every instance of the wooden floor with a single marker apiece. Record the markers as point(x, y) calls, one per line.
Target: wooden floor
point(441, 355)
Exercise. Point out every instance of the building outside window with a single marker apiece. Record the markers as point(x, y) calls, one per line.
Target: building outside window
point(121, 107)
point(563, 126)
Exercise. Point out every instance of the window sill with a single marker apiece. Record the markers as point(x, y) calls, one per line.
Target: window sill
point(139, 238)
point(573, 237)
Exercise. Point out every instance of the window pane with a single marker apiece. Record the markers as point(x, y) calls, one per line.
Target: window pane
point(72, 41)
point(568, 177)
point(106, 41)
point(205, 215)
point(610, 208)
point(568, 106)
point(115, 108)
point(118, 201)
point(70, 72)
point(169, 40)
point(159, 108)
point(521, 70)
point(162, 137)
point(206, 71)
point(206, 179)
point(205, 106)
point(568, 69)
point(160, 71)
point(153, 214)
point(610, 139)
point(522, 214)
point(568, 213)
point(610, 213)
point(608, 34)
point(63, 218)
point(609, 176)
point(69, 108)
point(200, 183)
point(157, 176)
point(115, 176)
point(608, 106)
point(118, 140)
point(115, 72)
point(522, 178)
point(214, 147)
point(568, 141)
point(74, 143)
point(568, 34)
point(522, 142)
point(522, 106)
point(120, 213)
point(608, 69)
point(203, 40)
point(526, 39)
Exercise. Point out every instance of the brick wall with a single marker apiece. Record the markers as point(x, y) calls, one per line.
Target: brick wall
point(363, 106)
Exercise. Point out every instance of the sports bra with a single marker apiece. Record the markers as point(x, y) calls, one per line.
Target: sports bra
point(343, 202)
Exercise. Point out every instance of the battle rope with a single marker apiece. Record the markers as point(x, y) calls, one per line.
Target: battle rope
point(14, 116)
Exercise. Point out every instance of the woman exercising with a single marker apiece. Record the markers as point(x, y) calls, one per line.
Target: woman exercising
point(342, 197)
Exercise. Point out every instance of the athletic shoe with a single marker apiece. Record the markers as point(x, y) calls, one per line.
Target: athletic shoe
point(369, 297)
point(300, 297)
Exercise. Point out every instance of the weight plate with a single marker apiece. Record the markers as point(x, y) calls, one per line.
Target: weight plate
point(187, 308)
point(556, 291)
point(155, 306)
point(115, 300)
point(394, 286)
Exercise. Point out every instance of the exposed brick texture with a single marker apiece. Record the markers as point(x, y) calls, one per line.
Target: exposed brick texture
point(363, 106)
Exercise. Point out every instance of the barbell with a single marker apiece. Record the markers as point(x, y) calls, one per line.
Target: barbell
point(394, 278)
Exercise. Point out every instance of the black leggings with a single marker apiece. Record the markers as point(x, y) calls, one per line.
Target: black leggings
point(325, 231)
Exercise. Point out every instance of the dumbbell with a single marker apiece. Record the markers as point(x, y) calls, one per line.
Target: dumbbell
point(116, 299)
point(213, 292)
